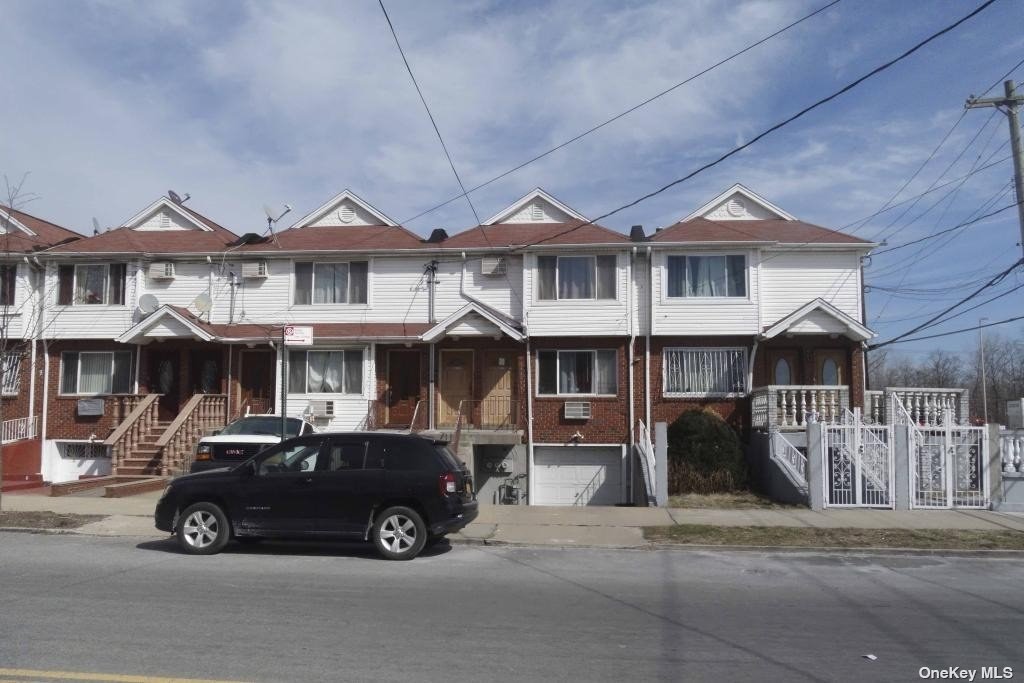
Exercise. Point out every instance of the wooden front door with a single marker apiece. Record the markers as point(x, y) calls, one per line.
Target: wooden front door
point(256, 382)
point(164, 379)
point(205, 371)
point(497, 409)
point(830, 367)
point(783, 367)
point(403, 387)
point(456, 387)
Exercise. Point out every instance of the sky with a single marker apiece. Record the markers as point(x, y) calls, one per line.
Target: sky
point(110, 104)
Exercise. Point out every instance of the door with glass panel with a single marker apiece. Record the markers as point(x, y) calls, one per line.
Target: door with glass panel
point(783, 367)
point(163, 380)
point(830, 367)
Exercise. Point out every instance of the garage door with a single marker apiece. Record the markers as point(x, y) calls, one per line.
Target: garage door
point(577, 475)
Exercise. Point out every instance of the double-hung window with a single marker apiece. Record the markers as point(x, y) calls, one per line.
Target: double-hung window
point(331, 283)
point(575, 277)
point(706, 276)
point(96, 372)
point(325, 372)
point(91, 284)
point(10, 366)
point(7, 277)
point(705, 371)
point(577, 372)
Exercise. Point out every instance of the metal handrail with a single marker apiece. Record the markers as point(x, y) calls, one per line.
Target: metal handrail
point(790, 459)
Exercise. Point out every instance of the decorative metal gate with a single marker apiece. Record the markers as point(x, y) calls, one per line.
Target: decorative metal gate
point(858, 464)
point(948, 467)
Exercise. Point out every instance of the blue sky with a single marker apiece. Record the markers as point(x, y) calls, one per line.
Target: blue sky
point(109, 104)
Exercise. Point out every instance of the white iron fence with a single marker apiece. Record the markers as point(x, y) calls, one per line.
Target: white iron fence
point(857, 463)
point(19, 428)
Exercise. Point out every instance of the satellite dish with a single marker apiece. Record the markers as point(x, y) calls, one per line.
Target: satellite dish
point(148, 303)
point(174, 196)
point(275, 216)
point(203, 303)
point(95, 226)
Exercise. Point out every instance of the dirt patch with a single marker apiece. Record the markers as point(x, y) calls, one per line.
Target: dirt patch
point(815, 537)
point(725, 501)
point(45, 520)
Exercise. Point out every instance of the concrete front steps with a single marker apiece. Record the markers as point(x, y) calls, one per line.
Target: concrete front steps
point(114, 486)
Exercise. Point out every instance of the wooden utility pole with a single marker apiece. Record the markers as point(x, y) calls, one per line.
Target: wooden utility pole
point(1009, 104)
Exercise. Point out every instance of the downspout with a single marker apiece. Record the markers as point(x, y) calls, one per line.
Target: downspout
point(632, 393)
point(650, 331)
point(36, 287)
point(750, 365)
point(529, 424)
point(227, 407)
point(432, 386)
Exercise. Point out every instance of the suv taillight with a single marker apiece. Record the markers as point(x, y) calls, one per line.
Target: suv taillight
point(446, 483)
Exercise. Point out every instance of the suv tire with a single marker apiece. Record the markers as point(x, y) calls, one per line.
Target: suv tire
point(203, 529)
point(399, 533)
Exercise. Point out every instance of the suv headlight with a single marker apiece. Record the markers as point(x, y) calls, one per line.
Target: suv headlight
point(203, 451)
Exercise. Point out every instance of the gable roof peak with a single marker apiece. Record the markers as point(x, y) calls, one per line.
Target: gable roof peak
point(530, 208)
point(168, 210)
point(740, 203)
point(352, 210)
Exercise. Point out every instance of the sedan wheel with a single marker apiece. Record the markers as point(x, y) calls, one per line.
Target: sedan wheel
point(203, 529)
point(399, 533)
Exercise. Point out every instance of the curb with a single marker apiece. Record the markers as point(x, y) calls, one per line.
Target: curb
point(841, 550)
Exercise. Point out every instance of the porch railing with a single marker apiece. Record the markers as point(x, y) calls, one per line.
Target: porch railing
point(791, 406)
point(20, 428)
point(790, 459)
point(202, 413)
point(645, 453)
point(133, 429)
point(874, 406)
point(1011, 450)
point(496, 414)
point(926, 406)
point(375, 419)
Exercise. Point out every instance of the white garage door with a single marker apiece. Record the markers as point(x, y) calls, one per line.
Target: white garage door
point(577, 475)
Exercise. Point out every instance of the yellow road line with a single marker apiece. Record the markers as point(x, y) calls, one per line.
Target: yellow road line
point(103, 678)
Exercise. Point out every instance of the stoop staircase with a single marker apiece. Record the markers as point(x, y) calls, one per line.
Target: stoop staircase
point(146, 451)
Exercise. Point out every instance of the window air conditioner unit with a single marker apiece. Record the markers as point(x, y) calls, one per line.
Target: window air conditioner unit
point(254, 269)
point(492, 265)
point(577, 410)
point(321, 408)
point(161, 270)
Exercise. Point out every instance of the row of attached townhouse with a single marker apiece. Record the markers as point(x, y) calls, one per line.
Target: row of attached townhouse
point(539, 341)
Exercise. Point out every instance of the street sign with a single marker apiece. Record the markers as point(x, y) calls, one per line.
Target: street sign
point(296, 335)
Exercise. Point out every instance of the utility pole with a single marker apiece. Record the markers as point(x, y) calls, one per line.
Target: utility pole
point(1009, 104)
point(984, 388)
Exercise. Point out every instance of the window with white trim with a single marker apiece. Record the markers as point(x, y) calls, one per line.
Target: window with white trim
point(97, 372)
point(10, 366)
point(325, 372)
point(91, 284)
point(331, 283)
point(706, 276)
point(705, 371)
point(82, 450)
point(590, 372)
point(576, 277)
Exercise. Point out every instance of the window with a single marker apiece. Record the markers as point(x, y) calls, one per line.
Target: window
point(345, 456)
point(829, 372)
point(575, 277)
point(705, 372)
point(10, 366)
point(577, 372)
point(706, 276)
point(81, 285)
point(325, 372)
point(300, 457)
point(78, 450)
point(7, 275)
point(96, 372)
point(783, 374)
point(331, 283)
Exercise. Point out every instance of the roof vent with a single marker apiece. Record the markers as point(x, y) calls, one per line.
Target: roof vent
point(438, 235)
point(736, 207)
point(536, 212)
point(346, 214)
point(636, 233)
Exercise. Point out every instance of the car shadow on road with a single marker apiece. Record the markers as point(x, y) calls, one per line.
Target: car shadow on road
point(324, 548)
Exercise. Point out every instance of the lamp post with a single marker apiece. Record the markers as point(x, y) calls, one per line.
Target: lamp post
point(984, 389)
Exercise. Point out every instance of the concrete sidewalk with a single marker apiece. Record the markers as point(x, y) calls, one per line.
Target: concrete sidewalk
point(618, 527)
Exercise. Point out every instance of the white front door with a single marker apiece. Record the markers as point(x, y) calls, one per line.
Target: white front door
point(577, 475)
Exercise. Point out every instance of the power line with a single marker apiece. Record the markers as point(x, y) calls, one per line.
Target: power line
point(874, 72)
point(943, 232)
point(972, 328)
point(995, 280)
point(626, 112)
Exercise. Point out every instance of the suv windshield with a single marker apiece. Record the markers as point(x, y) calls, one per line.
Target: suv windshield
point(266, 424)
point(446, 455)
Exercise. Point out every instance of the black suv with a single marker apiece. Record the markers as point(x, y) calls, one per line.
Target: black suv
point(400, 491)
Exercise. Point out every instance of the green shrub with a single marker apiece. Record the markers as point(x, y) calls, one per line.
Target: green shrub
point(704, 455)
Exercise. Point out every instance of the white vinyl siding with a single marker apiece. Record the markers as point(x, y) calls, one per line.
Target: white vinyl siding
point(605, 317)
point(67, 321)
point(684, 315)
point(704, 372)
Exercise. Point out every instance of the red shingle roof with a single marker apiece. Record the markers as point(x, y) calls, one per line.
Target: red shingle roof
point(768, 230)
point(320, 330)
point(127, 240)
point(341, 238)
point(46, 235)
point(540, 234)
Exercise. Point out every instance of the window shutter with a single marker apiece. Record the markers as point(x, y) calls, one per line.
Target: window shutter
point(65, 285)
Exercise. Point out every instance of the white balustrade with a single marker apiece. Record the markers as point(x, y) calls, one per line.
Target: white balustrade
point(1011, 449)
point(927, 406)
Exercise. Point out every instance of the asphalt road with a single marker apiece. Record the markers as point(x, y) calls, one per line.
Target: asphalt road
point(298, 612)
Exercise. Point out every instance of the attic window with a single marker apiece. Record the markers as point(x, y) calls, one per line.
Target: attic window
point(736, 207)
point(346, 214)
point(536, 212)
